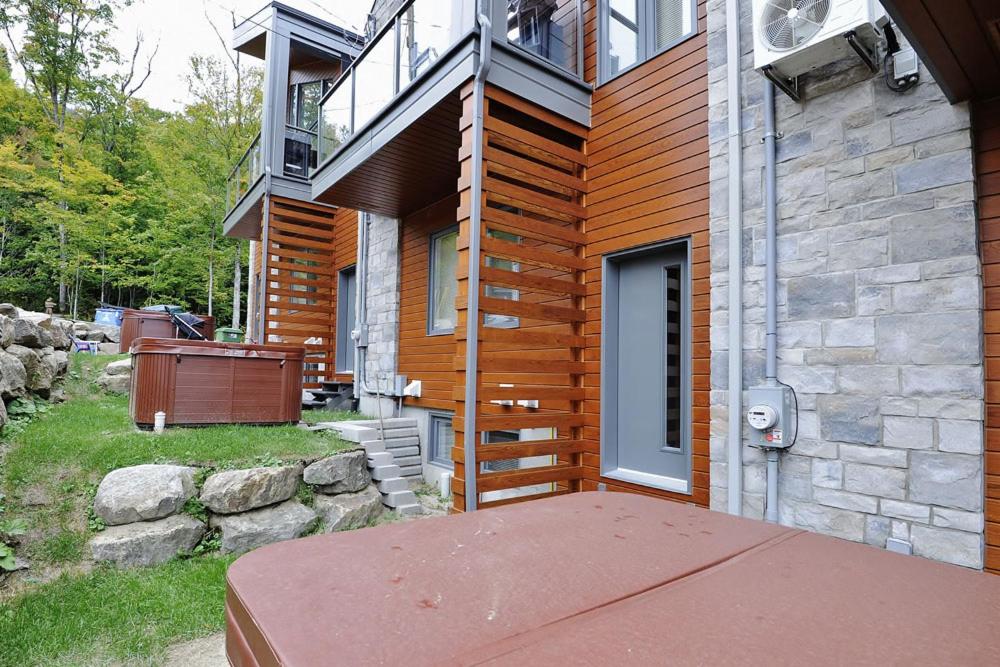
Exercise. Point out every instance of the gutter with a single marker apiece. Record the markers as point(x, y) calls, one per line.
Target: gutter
point(734, 445)
point(475, 222)
point(265, 248)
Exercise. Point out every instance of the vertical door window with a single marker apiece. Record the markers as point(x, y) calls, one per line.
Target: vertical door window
point(633, 31)
point(673, 410)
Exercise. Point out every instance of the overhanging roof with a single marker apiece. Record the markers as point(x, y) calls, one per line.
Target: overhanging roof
point(958, 41)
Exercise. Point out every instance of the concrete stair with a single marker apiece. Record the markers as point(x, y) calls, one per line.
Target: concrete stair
point(393, 458)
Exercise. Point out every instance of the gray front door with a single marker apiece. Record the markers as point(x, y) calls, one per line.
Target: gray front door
point(647, 369)
point(347, 299)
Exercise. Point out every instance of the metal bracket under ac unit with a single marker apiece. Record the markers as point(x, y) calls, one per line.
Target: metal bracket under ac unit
point(788, 85)
point(867, 56)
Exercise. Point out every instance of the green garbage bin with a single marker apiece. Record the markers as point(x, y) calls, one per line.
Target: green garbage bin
point(228, 335)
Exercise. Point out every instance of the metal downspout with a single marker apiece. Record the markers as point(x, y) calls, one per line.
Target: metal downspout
point(771, 283)
point(360, 307)
point(475, 221)
point(734, 447)
point(265, 249)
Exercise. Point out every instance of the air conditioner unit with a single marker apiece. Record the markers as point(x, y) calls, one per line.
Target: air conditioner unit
point(795, 36)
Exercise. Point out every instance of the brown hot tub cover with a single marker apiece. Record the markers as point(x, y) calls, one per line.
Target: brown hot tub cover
point(602, 579)
point(208, 382)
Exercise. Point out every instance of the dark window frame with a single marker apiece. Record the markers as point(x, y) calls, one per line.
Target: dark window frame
point(433, 453)
point(645, 19)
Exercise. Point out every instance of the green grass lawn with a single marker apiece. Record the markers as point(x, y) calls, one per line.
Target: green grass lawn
point(111, 616)
point(52, 464)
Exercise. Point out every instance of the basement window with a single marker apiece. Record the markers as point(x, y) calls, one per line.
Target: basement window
point(442, 439)
point(500, 437)
point(443, 283)
point(634, 31)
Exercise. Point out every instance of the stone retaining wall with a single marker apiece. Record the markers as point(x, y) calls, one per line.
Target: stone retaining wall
point(156, 512)
point(33, 356)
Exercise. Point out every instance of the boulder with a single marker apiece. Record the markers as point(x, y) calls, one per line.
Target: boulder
point(27, 333)
point(116, 377)
point(242, 490)
point(148, 542)
point(60, 337)
point(143, 493)
point(340, 473)
point(249, 530)
point(38, 319)
point(108, 348)
point(349, 510)
point(13, 378)
point(94, 336)
point(6, 331)
point(110, 333)
point(3, 414)
point(8, 310)
point(28, 358)
point(44, 374)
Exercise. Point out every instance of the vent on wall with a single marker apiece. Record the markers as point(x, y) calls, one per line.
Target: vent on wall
point(786, 24)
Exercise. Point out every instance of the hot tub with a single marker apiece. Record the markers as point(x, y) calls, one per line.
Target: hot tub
point(207, 382)
point(152, 324)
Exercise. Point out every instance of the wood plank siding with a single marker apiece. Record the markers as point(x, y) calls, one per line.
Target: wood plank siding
point(422, 357)
point(647, 182)
point(309, 245)
point(986, 129)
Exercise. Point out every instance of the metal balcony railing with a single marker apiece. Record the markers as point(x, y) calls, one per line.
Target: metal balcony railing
point(244, 174)
point(418, 35)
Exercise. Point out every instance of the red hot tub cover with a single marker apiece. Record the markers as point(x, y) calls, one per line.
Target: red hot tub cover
point(602, 578)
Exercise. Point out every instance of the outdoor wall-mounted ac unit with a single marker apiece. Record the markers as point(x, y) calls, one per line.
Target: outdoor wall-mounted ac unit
point(795, 36)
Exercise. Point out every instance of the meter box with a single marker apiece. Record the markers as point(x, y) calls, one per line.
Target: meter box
point(771, 416)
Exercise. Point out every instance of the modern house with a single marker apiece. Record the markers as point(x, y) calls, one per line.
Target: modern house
point(269, 199)
point(548, 198)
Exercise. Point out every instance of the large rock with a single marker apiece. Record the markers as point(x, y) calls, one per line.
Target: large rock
point(28, 358)
point(147, 543)
point(341, 473)
point(3, 414)
point(13, 378)
point(111, 334)
point(6, 331)
point(242, 490)
point(249, 530)
point(8, 310)
point(60, 336)
point(27, 333)
point(143, 493)
point(349, 510)
point(116, 377)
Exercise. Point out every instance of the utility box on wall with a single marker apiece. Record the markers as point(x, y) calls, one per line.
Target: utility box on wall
point(771, 417)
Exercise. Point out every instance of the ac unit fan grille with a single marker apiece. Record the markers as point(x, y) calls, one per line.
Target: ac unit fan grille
point(786, 24)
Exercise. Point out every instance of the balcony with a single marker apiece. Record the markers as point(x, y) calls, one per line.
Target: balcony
point(298, 159)
point(389, 129)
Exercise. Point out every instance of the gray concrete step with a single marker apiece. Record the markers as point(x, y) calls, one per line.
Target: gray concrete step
point(406, 461)
point(380, 459)
point(411, 471)
point(393, 484)
point(410, 510)
point(399, 498)
point(386, 472)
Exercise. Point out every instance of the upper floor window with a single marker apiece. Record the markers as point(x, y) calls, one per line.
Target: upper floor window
point(304, 107)
point(546, 28)
point(633, 31)
point(443, 287)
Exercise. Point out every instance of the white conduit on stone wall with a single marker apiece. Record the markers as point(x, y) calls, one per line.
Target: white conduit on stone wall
point(734, 448)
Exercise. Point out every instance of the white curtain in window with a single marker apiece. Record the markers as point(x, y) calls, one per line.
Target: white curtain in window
point(672, 21)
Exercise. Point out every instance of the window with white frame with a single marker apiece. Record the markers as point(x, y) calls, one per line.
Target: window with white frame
point(497, 291)
point(633, 31)
point(443, 282)
point(442, 439)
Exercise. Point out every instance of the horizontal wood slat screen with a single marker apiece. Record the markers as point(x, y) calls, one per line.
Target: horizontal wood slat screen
point(301, 301)
point(531, 305)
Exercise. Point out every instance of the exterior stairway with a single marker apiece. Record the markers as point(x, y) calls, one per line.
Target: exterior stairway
point(332, 396)
point(393, 457)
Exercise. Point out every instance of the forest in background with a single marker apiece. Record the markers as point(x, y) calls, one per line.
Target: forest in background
point(103, 198)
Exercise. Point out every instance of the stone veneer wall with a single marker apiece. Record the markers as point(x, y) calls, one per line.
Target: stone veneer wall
point(383, 286)
point(879, 305)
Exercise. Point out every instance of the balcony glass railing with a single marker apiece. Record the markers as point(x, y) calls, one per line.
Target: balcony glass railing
point(244, 174)
point(300, 151)
point(418, 35)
